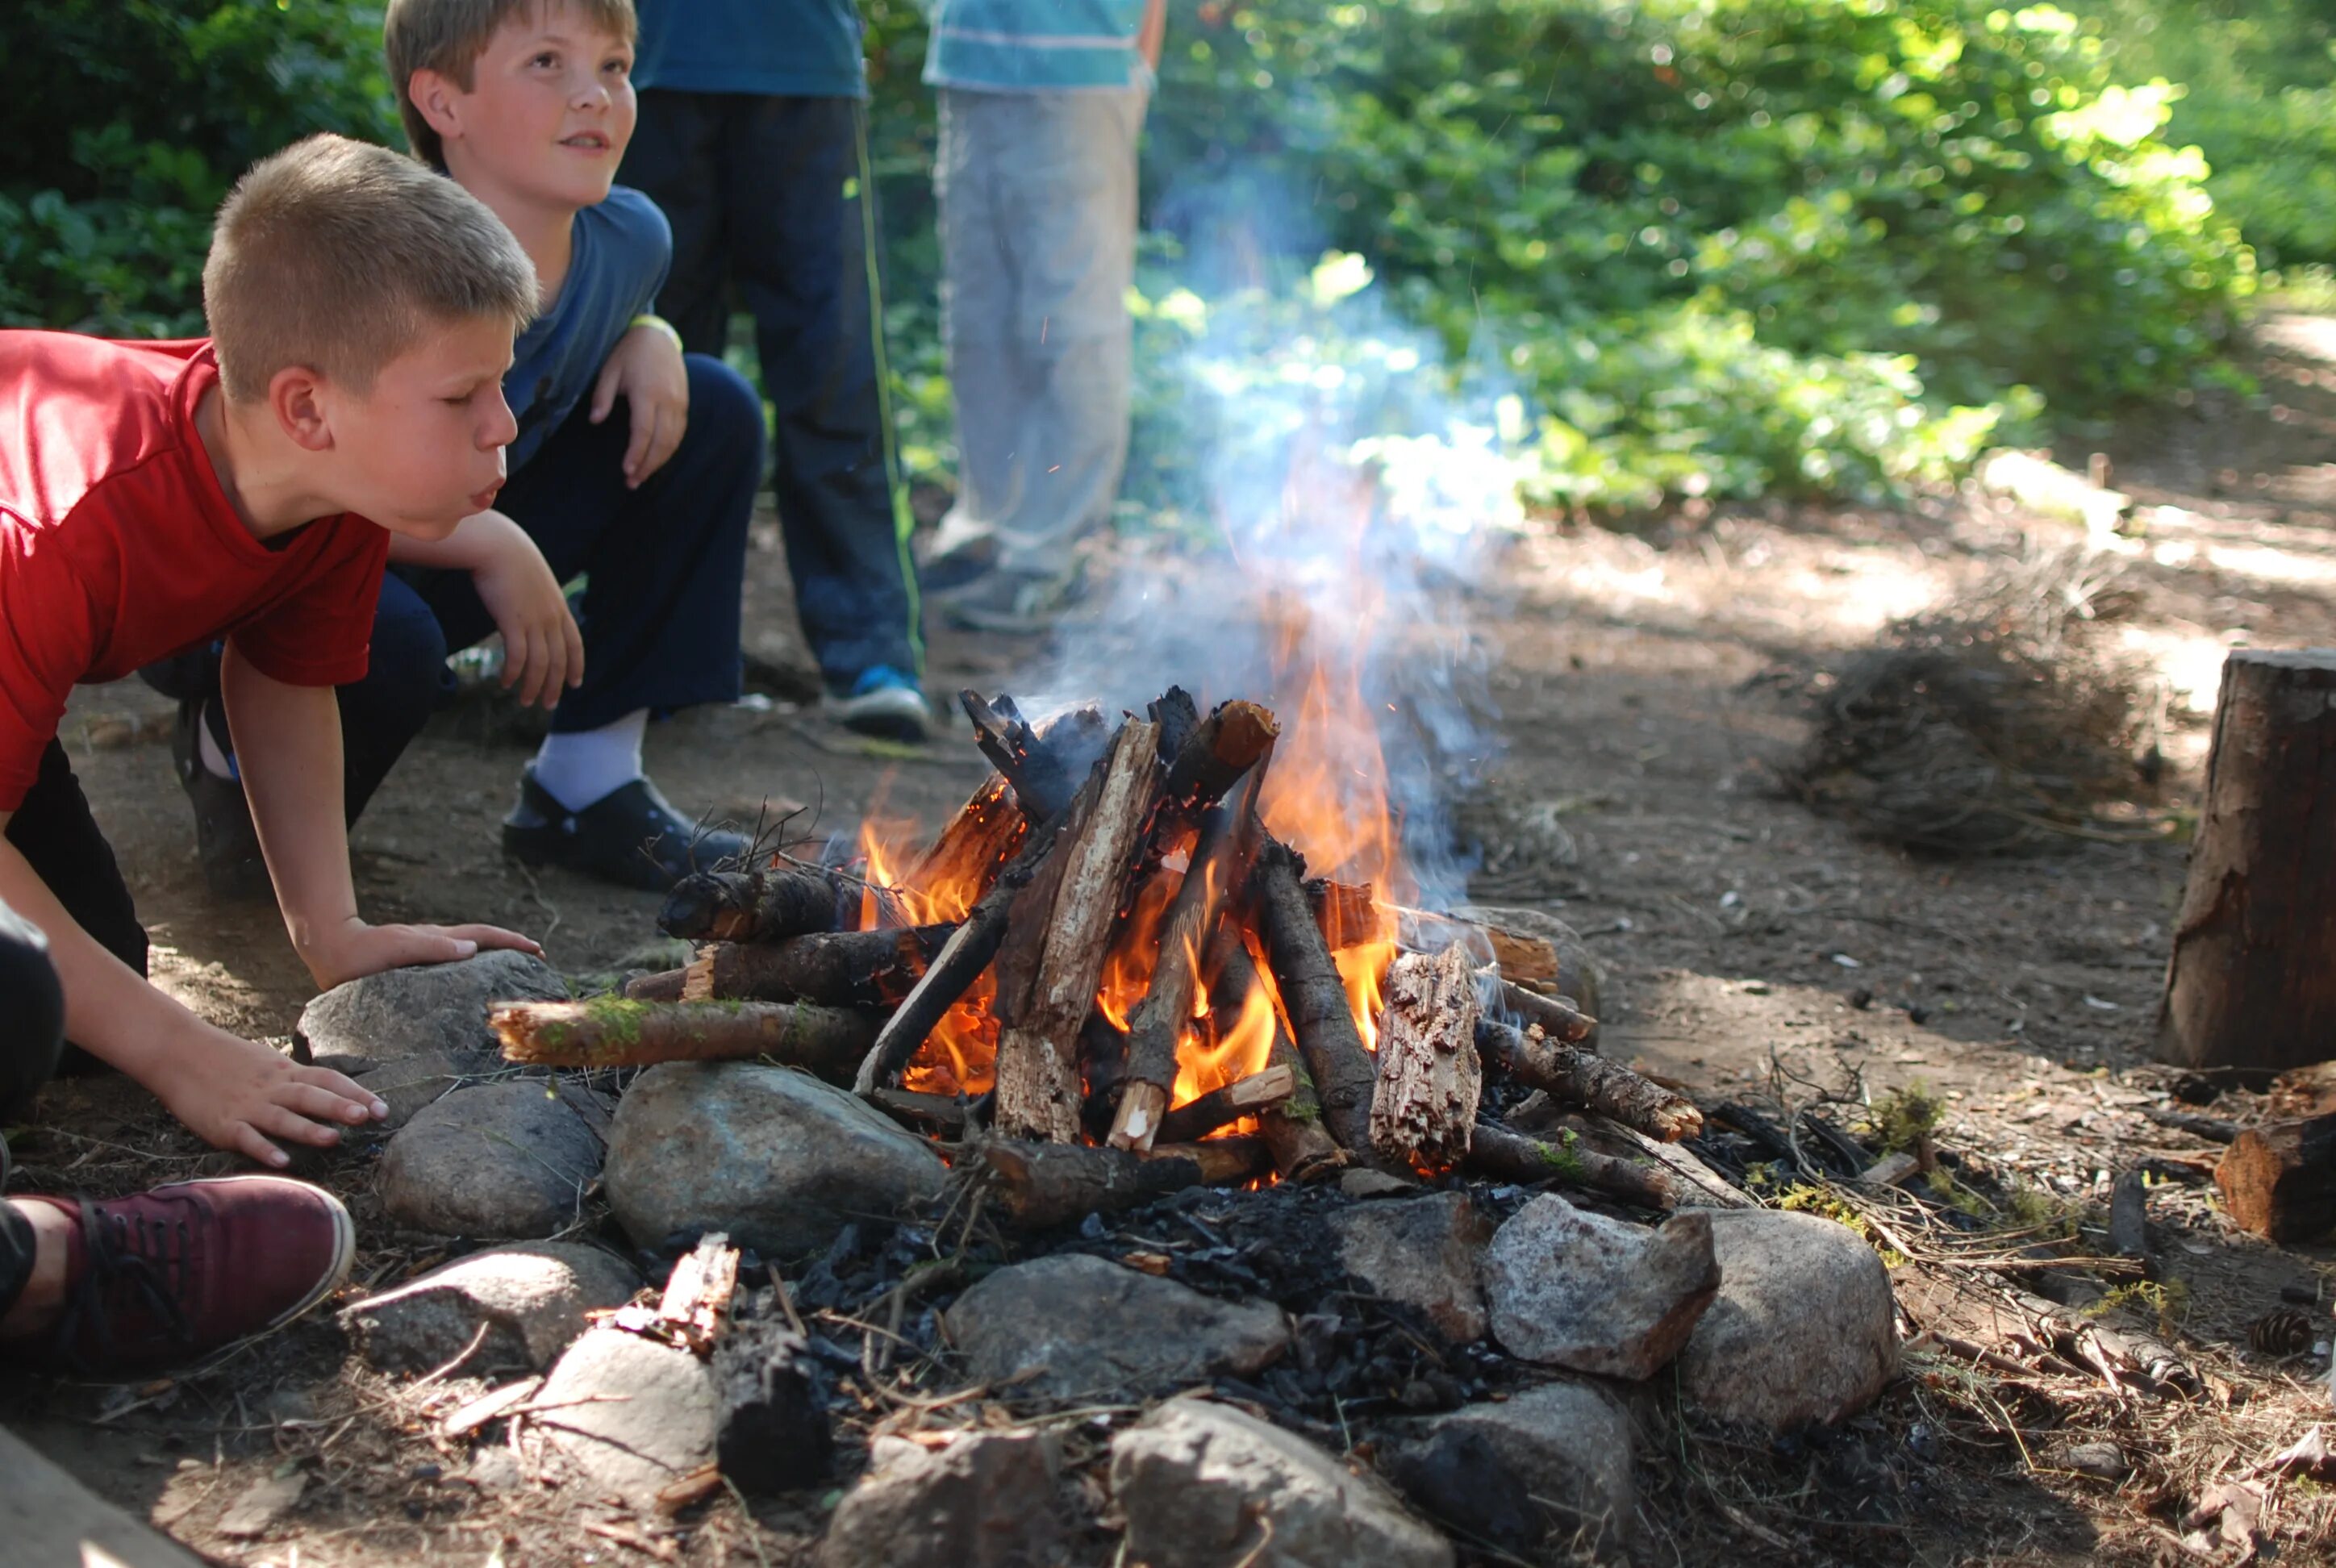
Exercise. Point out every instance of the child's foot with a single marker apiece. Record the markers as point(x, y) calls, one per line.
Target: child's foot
point(225, 840)
point(630, 836)
point(884, 702)
point(166, 1277)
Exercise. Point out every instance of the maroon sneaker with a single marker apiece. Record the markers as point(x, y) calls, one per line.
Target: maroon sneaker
point(165, 1277)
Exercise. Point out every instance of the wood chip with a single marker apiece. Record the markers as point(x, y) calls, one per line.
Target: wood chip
point(261, 1506)
point(491, 1407)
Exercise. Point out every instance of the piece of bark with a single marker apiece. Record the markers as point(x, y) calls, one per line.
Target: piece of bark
point(2278, 1180)
point(1234, 738)
point(1321, 1020)
point(1037, 1186)
point(665, 985)
point(772, 1432)
point(2248, 983)
point(1216, 877)
point(831, 968)
point(1303, 1151)
point(1497, 1151)
point(1584, 1079)
point(749, 906)
point(1429, 1074)
point(694, 1312)
point(608, 1032)
point(1198, 1117)
point(955, 968)
point(1058, 933)
point(966, 855)
point(1554, 1016)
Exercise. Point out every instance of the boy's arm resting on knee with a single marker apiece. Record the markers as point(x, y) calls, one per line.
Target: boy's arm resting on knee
point(287, 739)
point(233, 1092)
point(543, 650)
point(645, 369)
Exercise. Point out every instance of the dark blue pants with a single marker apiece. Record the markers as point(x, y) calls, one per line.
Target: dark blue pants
point(666, 566)
point(756, 188)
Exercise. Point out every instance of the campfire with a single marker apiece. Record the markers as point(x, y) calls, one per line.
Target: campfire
point(1111, 976)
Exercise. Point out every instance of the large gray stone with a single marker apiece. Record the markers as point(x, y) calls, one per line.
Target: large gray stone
point(412, 1085)
point(1549, 1467)
point(509, 1159)
point(401, 1013)
point(632, 1415)
point(1803, 1330)
point(1204, 1486)
point(772, 1156)
point(533, 1300)
point(49, 1520)
point(1572, 1289)
point(1423, 1254)
point(977, 1500)
point(1074, 1327)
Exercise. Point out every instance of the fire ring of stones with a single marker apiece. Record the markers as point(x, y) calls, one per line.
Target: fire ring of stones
point(1101, 1101)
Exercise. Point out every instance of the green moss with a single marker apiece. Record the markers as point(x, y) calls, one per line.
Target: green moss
point(617, 1021)
point(1903, 1119)
point(1562, 1161)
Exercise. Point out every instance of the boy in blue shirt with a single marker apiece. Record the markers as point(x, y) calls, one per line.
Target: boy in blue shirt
point(754, 141)
point(529, 107)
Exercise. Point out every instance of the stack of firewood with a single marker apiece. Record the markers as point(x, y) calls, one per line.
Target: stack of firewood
point(1061, 843)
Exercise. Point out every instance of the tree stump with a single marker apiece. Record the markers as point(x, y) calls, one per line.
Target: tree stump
point(2279, 1180)
point(2249, 983)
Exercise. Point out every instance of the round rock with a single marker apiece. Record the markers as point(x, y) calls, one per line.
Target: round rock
point(772, 1156)
point(1547, 1468)
point(1572, 1289)
point(1422, 1252)
point(531, 1299)
point(634, 1416)
point(510, 1159)
point(1803, 1330)
point(401, 1013)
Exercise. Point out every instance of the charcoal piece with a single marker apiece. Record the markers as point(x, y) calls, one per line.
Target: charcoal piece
point(774, 1434)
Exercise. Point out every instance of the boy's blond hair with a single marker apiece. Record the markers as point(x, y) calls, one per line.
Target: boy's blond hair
point(449, 35)
point(339, 256)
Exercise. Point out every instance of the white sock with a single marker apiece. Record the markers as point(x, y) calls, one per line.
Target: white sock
point(580, 768)
point(216, 762)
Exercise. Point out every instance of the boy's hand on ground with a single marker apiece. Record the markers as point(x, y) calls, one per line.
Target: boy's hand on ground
point(645, 370)
point(543, 652)
point(236, 1093)
point(354, 948)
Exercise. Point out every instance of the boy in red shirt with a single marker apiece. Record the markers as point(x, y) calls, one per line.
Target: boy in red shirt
point(155, 496)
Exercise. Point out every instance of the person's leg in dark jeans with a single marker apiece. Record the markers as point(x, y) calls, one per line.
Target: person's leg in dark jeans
point(674, 157)
point(665, 565)
point(405, 681)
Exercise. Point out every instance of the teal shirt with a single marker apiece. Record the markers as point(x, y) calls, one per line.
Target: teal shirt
point(1035, 45)
point(776, 48)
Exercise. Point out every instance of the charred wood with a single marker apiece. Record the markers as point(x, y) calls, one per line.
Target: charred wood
point(973, 848)
point(1302, 1151)
point(832, 969)
point(1583, 1079)
point(827, 1042)
point(1058, 932)
point(943, 1116)
point(1220, 1107)
point(1430, 1075)
point(1045, 770)
point(772, 1432)
point(1178, 717)
point(1349, 912)
point(1041, 1185)
point(753, 906)
point(1314, 997)
point(1234, 738)
point(1554, 1016)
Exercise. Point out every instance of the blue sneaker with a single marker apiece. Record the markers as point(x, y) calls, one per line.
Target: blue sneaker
point(882, 701)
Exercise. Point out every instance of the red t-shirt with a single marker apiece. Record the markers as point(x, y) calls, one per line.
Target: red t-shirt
point(118, 547)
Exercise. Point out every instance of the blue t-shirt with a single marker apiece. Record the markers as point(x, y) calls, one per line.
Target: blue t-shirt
point(619, 252)
point(1035, 45)
point(784, 48)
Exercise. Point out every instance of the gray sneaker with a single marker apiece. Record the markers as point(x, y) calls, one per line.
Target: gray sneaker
point(1008, 603)
point(883, 702)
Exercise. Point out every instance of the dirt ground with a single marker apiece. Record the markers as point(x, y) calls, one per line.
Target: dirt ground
point(1644, 683)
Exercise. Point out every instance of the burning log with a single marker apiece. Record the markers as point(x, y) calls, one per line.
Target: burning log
point(1196, 1119)
point(979, 840)
point(1430, 1075)
point(2279, 1180)
point(1045, 770)
point(1497, 1151)
point(1059, 930)
point(1178, 716)
point(1234, 738)
point(1552, 1015)
point(954, 969)
point(1348, 912)
point(832, 969)
point(1315, 997)
point(608, 1032)
point(1220, 868)
point(756, 906)
point(1302, 1151)
point(1582, 1078)
point(1041, 1185)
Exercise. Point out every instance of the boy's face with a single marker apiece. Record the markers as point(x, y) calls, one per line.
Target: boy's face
point(549, 111)
point(422, 449)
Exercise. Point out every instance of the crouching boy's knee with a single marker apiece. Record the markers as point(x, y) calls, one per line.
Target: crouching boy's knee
point(725, 412)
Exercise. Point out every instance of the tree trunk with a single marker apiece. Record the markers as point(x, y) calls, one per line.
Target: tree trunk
point(2279, 1180)
point(2249, 983)
point(607, 1032)
point(1058, 932)
point(1430, 1075)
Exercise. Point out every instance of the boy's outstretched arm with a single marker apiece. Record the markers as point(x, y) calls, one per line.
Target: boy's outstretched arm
point(233, 1092)
point(287, 740)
